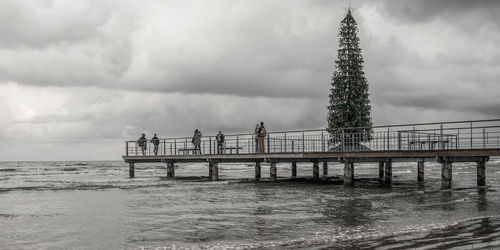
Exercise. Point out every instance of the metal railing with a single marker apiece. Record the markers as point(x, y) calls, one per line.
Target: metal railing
point(478, 134)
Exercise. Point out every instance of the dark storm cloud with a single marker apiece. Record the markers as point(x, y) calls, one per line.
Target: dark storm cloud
point(73, 71)
point(60, 44)
point(426, 10)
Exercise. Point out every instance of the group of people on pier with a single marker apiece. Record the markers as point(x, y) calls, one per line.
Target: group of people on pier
point(143, 143)
point(259, 134)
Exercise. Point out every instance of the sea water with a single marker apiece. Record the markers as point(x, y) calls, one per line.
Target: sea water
point(94, 205)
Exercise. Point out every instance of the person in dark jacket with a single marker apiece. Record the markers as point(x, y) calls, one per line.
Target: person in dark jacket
point(142, 143)
point(262, 133)
point(256, 137)
point(197, 141)
point(220, 142)
point(155, 142)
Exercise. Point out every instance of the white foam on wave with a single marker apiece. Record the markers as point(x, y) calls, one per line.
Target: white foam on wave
point(322, 238)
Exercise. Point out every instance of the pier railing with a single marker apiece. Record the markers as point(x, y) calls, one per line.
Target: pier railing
point(478, 134)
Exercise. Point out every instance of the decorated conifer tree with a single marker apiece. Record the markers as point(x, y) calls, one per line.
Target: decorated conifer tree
point(349, 103)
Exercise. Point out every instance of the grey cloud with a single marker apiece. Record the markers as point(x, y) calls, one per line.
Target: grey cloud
point(426, 10)
point(109, 70)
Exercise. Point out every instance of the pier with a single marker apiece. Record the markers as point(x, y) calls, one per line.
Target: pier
point(443, 142)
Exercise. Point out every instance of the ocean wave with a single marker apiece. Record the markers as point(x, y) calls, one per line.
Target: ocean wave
point(77, 164)
point(8, 169)
point(426, 236)
point(402, 172)
point(81, 186)
point(70, 169)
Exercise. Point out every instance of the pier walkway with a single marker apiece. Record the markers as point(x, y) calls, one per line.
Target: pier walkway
point(443, 142)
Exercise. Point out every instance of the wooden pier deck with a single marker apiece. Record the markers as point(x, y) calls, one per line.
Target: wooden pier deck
point(445, 143)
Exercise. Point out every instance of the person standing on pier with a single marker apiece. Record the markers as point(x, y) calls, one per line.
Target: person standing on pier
point(256, 137)
point(262, 135)
point(220, 142)
point(142, 143)
point(197, 141)
point(155, 142)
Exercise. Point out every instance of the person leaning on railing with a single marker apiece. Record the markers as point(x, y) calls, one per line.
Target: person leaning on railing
point(220, 142)
point(256, 137)
point(155, 142)
point(262, 135)
point(197, 141)
point(142, 143)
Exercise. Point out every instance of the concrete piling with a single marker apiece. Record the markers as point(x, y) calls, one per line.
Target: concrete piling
point(315, 171)
point(388, 173)
point(215, 171)
point(131, 170)
point(210, 170)
point(481, 173)
point(420, 173)
point(273, 175)
point(325, 168)
point(294, 169)
point(446, 174)
point(170, 170)
point(257, 170)
point(348, 174)
point(381, 173)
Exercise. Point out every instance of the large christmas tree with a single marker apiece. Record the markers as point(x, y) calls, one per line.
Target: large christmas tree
point(349, 103)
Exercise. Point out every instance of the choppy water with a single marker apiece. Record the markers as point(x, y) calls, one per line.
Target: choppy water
point(94, 205)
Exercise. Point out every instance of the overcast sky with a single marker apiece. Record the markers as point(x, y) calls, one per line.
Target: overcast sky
point(77, 78)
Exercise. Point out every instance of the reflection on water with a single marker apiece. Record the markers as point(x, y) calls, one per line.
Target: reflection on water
point(95, 205)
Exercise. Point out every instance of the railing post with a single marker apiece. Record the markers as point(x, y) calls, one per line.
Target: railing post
point(484, 137)
point(399, 141)
point(268, 143)
point(458, 138)
point(303, 143)
point(210, 144)
point(164, 147)
point(126, 148)
point(175, 146)
point(388, 139)
point(441, 142)
point(414, 139)
point(237, 144)
point(293, 146)
point(471, 135)
point(343, 141)
point(285, 143)
point(322, 142)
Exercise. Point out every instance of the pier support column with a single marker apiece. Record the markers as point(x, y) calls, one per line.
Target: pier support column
point(315, 171)
point(481, 173)
point(294, 169)
point(131, 170)
point(210, 170)
point(170, 170)
point(348, 174)
point(215, 171)
point(381, 173)
point(257, 170)
point(420, 173)
point(325, 168)
point(446, 174)
point(388, 173)
point(273, 174)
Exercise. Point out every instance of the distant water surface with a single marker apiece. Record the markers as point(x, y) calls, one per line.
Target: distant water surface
point(94, 205)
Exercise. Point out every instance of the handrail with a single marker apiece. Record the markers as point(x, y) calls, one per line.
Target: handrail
point(356, 128)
